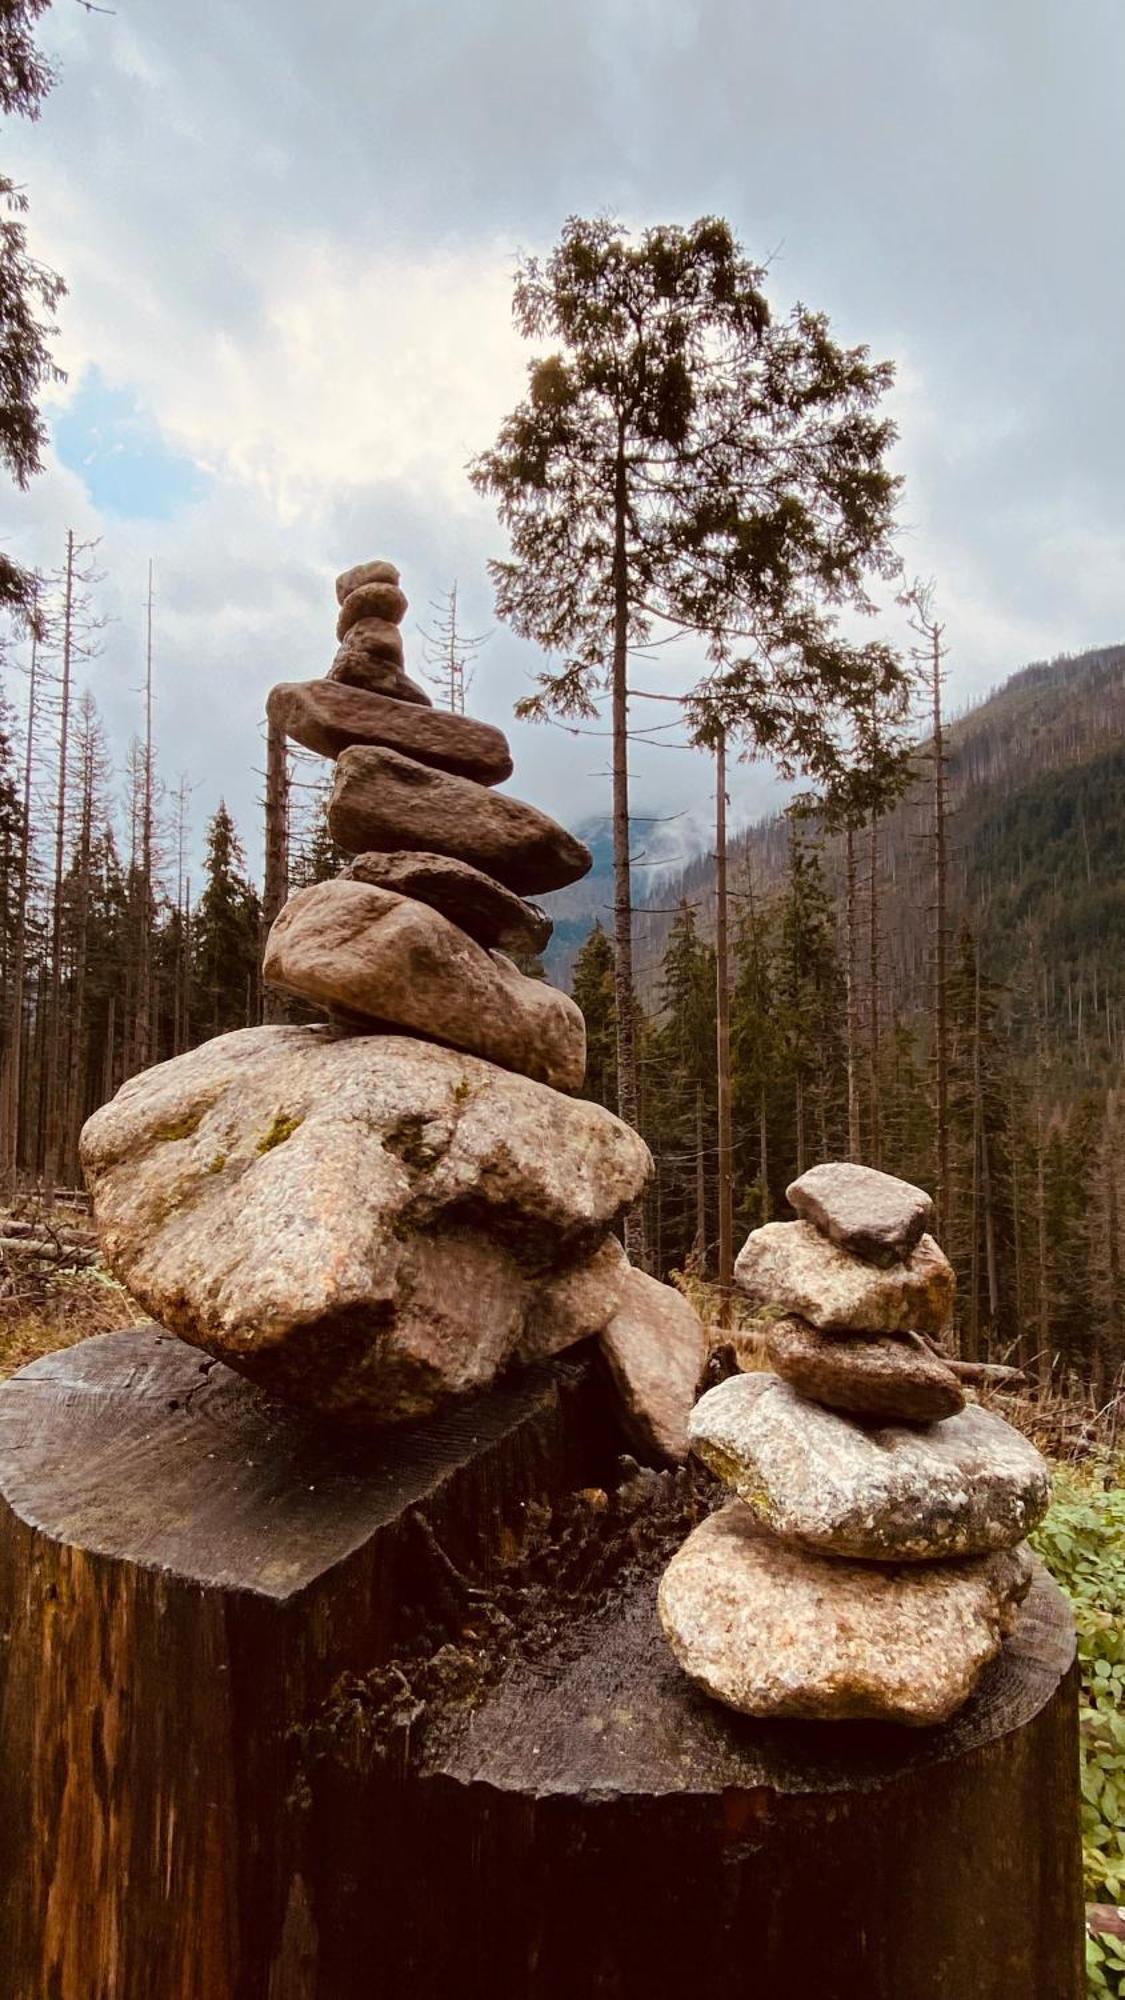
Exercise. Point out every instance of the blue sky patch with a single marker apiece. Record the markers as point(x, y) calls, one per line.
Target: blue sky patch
point(117, 451)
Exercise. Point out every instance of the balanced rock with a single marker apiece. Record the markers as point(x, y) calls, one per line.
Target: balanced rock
point(381, 799)
point(368, 1227)
point(964, 1487)
point(871, 1214)
point(375, 639)
point(474, 902)
point(774, 1631)
point(369, 572)
point(890, 1375)
point(371, 600)
point(376, 676)
point(392, 961)
point(792, 1268)
point(328, 717)
point(656, 1346)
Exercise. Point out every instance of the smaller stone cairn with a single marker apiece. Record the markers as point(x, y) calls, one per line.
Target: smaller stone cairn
point(373, 1215)
point(875, 1554)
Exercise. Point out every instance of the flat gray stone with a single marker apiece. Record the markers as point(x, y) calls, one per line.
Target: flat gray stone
point(371, 600)
point(791, 1269)
point(775, 1631)
point(477, 904)
point(881, 1494)
point(656, 1346)
point(892, 1375)
point(383, 800)
point(367, 1227)
point(871, 1214)
point(392, 961)
point(368, 572)
point(329, 716)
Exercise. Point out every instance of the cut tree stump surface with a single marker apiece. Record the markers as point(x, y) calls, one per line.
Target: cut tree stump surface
point(233, 1766)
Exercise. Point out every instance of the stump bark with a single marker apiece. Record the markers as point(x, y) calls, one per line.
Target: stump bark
point(219, 1780)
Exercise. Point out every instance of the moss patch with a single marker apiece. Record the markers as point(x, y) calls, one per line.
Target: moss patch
point(179, 1128)
point(283, 1128)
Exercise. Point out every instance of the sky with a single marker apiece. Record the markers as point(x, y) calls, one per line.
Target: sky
point(290, 230)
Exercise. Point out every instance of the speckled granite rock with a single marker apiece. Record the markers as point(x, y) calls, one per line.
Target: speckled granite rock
point(491, 914)
point(383, 800)
point(377, 676)
point(376, 639)
point(893, 1376)
point(367, 1227)
point(386, 958)
point(871, 1214)
point(794, 1270)
point(775, 1631)
point(329, 716)
point(368, 572)
point(655, 1345)
point(371, 600)
point(890, 1494)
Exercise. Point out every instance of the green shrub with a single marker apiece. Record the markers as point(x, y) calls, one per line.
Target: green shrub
point(1082, 1542)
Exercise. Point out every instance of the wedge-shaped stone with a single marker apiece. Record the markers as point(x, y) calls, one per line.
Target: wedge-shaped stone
point(655, 1345)
point(871, 1214)
point(369, 1226)
point(376, 639)
point(328, 717)
point(395, 962)
point(381, 799)
point(893, 1376)
point(376, 676)
point(774, 1631)
point(890, 1494)
point(474, 902)
point(371, 600)
point(790, 1268)
point(368, 572)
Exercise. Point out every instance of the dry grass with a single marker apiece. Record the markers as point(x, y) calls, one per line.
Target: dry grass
point(61, 1311)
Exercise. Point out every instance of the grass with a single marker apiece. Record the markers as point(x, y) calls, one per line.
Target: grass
point(61, 1311)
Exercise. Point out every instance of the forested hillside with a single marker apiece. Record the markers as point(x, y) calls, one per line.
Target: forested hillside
point(1034, 998)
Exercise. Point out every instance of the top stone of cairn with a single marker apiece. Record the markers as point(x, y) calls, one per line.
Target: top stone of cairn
point(872, 1215)
point(368, 572)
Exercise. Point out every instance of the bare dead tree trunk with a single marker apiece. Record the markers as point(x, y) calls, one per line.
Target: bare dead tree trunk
point(941, 999)
point(142, 1035)
point(852, 1017)
point(276, 886)
point(55, 1044)
point(622, 878)
point(14, 1069)
point(722, 1021)
point(700, 1183)
point(873, 996)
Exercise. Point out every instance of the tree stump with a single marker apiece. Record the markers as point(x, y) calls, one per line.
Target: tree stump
point(254, 1744)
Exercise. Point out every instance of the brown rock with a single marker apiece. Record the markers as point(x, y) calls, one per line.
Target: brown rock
point(886, 1493)
point(395, 962)
point(777, 1631)
point(871, 1214)
point(371, 600)
point(368, 1227)
point(369, 572)
point(791, 1268)
point(656, 1346)
point(376, 677)
point(474, 902)
point(891, 1375)
point(376, 639)
point(328, 717)
point(383, 800)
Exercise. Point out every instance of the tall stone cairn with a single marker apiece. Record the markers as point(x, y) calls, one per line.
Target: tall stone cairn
point(875, 1554)
point(375, 1214)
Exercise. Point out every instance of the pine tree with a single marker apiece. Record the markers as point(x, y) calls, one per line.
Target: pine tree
point(593, 991)
point(226, 932)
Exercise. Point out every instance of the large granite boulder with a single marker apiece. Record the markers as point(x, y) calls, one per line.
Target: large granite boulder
point(474, 902)
point(871, 1214)
point(368, 1227)
point(774, 1631)
point(383, 800)
point(882, 1494)
point(329, 716)
point(892, 1376)
point(374, 955)
point(791, 1268)
point(655, 1346)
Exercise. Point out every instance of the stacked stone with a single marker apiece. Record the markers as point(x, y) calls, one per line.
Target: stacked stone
point(373, 1216)
point(875, 1555)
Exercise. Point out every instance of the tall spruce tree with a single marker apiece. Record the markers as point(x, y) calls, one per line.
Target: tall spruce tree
point(225, 934)
point(682, 459)
point(593, 991)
